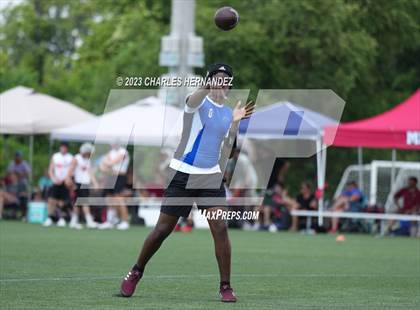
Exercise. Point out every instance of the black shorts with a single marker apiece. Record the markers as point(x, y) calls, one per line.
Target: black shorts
point(119, 185)
point(59, 192)
point(82, 192)
point(187, 189)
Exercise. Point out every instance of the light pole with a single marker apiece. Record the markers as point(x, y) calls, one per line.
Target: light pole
point(181, 50)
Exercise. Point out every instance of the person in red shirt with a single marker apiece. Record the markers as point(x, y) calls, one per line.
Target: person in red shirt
point(411, 198)
point(411, 201)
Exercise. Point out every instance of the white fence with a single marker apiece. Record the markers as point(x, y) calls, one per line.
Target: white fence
point(379, 180)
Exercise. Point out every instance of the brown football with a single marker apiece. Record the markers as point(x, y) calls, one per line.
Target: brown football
point(226, 18)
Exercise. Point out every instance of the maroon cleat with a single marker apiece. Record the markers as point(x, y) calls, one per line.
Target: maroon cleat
point(226, 294)
point(128, 285)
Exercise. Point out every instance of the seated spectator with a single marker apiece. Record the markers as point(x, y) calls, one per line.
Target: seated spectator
point(306, 199)
point(14, 194)
point(276, 208)
point(2, 197)
point(20, 167)
point(351, 200)
point(45, 184)
point(411, 203)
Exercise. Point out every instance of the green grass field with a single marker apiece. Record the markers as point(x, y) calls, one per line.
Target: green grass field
point(59, 268)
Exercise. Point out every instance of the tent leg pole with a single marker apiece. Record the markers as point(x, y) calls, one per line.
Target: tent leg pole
point(320, 186)
point(31, 159)
point(393, 159)
point(323, 176)
point(50, 145)
point(360, 163)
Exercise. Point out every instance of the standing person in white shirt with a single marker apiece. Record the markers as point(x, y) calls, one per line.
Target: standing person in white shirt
point(82, 173)
point(59, 173)
point(115, 164)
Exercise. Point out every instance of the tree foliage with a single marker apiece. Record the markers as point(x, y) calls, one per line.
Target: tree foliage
point(366, 51)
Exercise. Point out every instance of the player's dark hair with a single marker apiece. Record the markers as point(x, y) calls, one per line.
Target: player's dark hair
point(352, 183)
point(215, 68)
point(219, 67)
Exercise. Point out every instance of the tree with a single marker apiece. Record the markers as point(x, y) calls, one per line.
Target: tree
point(366, 51)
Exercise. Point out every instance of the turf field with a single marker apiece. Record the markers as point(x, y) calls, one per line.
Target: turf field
point(59, 268)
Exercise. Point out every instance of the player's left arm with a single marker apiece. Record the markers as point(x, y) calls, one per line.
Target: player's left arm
point(229, 142)
point(72, 168)
point(68, 181)
point(239, 112)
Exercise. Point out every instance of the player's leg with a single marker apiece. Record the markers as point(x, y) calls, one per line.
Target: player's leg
point(90, 222)
point(111, 212)
point(85, 193)
point(218, 228)
point(60, 204)
point(51, 205)
point(74, 221)
point(165, 225)
point(121, 208)
point(122, 212)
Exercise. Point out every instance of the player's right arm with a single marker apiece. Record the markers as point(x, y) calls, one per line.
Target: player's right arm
point(72, 167)
point(197, 97)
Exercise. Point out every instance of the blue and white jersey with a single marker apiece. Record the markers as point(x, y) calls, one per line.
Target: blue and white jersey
point(204, 129)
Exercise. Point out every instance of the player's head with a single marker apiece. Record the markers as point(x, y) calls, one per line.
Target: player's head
point(412, 182)
point(18, 156)
point(86, 149)
point(64, 147)
point(305, 187)
point(220, 75)
point(351, 185)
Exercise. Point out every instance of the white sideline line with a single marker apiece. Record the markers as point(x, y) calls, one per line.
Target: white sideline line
point(313, 275)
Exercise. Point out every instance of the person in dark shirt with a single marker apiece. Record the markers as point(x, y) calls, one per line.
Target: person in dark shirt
point(306, 201)
point(278, 205)
point(411, 198)
point(410, 205)
point(306, 198)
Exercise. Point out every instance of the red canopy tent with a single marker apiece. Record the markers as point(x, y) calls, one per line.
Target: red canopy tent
point(398, 128)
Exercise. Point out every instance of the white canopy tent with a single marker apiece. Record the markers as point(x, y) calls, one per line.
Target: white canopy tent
point(23, 111)
point(144, 122)
point(273, 122)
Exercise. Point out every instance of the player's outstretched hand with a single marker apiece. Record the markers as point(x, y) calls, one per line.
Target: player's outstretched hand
point(241, 112)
